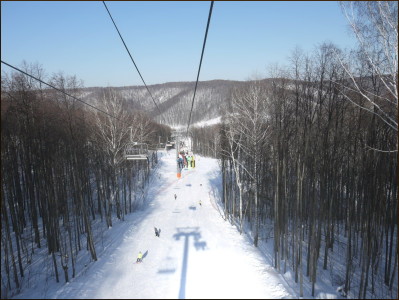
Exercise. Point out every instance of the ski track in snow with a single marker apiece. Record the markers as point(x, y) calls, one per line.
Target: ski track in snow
point(198, 254)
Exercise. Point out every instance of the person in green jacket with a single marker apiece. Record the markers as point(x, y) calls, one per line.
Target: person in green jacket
point(189, 161)
point(139, 257)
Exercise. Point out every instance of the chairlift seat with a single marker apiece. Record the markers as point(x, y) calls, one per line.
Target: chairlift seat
point(136, 151)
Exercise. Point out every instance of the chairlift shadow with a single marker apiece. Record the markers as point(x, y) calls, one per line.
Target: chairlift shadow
point(185, 233)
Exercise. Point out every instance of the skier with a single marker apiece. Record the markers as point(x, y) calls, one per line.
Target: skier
point(180, 162)
point(156, 232)
point(185, 161)
point(175, 196)
point(139, 257)
point(200, 203)
point(188, 161)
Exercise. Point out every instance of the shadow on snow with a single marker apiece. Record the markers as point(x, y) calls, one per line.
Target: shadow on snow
point(186, 233)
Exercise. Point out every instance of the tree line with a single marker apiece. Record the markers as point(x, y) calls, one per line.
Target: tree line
point(309, 158)
point(63, 167)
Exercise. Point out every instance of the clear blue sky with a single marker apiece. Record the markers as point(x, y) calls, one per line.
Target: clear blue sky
point(164, 37)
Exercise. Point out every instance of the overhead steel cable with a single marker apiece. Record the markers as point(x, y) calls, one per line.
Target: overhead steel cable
point(65, 93)
point(199, 68)
point(116, 27)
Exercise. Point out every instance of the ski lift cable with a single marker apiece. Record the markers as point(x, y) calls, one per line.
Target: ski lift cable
point(199, 68)
point(65, 93)
point(116, 27)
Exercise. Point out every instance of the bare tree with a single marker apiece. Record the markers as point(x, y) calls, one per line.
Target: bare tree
point(250, 122)
point(233, 146)
point(375, 25)
point(113, 132)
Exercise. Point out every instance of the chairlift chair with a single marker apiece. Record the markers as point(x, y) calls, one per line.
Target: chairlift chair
point(161, 146)
point(136, 151)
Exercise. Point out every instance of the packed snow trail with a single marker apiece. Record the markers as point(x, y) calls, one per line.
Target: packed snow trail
point(198, 254)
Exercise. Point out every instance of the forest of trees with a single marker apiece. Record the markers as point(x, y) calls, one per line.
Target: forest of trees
point(62, 167)
point(309, 159)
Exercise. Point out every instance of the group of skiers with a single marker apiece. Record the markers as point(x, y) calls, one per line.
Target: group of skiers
point(186, 160)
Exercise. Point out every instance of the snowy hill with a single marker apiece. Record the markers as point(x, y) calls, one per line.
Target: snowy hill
point(174, 99)
point(198, 254)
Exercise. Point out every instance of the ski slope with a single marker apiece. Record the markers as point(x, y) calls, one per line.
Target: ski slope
point(198, 254)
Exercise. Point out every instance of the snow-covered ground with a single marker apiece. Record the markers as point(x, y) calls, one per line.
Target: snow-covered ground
point(198, 254)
